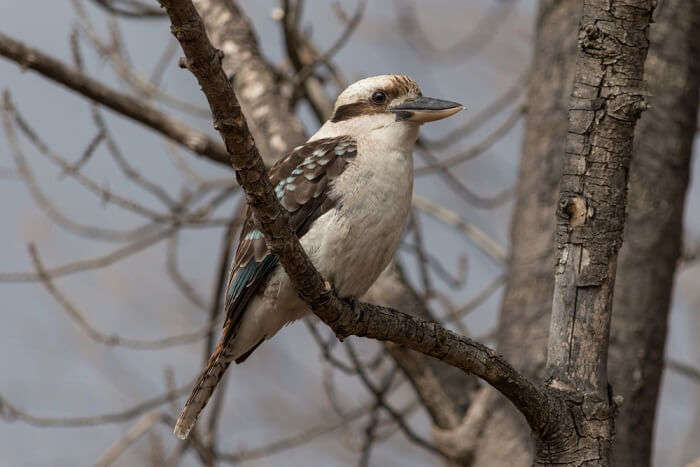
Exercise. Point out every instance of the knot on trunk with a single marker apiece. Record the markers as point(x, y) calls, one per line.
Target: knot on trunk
point(576, 209)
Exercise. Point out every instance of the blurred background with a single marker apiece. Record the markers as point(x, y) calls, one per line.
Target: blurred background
point(89, 202)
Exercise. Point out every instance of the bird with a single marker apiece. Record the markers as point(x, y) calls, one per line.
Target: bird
point(348, 191)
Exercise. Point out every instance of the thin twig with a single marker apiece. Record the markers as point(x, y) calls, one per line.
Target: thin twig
point(458, 186)
point(98, 336)
point(198, 142)
point(10, 412)
point(133, 434)
point(115, 57)
point(480, 239)
point(477, 149)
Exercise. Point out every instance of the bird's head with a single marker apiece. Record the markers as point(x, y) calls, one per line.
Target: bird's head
point(387, 102)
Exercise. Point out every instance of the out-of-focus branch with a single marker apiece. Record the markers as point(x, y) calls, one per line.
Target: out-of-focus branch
point(198, 142)
point(477, 149)
point(115, 56)
point(293, 441)
point(459, 188)
point(274, 125)
point(187, 289)
point(307, 70)
point(130, 8)
point(474, 123)
point(477, 300)
point(113, 339)
point(10, 412)
point(482, 240)
point(133, 434)
point(379, 393)
point(300, 53)
point(359, 319)
point(428, 387)
point(684, 369)
point(465, 48)
point(126, 168)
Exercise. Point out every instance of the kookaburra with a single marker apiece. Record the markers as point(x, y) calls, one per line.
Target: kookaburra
point(348, 191)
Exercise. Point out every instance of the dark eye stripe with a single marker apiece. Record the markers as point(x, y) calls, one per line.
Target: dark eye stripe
point(355, 109)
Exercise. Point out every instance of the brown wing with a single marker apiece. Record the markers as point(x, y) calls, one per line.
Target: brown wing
point(301, 181)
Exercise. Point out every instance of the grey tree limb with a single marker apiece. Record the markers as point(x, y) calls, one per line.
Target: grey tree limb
point(607, 100)
point(30, 58)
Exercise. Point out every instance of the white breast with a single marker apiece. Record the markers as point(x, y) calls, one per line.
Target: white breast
point(352, 244)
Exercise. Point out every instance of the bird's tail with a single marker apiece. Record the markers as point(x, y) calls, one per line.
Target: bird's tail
point(203, 389)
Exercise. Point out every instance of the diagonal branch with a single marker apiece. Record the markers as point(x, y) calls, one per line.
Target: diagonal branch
point(362, 319)
point(31, 58)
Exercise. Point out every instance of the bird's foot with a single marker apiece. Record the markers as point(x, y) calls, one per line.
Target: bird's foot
point(347, 328)
point(356, 308)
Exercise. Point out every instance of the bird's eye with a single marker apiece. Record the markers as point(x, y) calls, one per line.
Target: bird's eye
point(378, 97)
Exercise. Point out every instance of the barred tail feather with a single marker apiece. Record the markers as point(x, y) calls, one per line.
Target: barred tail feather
point(203, 389)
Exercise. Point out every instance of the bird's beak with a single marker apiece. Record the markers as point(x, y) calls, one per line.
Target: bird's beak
point(425, 109)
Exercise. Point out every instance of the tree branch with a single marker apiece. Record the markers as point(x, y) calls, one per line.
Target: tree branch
point(33, 59)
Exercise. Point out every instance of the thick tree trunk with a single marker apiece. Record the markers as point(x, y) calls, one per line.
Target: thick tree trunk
point(652, 238)
point(607, 99)
point(653, 234)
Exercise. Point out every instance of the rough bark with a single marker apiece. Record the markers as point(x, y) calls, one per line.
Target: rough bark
point(653, 233)
point(652, 236)
point(606, 102)
point(525, 312)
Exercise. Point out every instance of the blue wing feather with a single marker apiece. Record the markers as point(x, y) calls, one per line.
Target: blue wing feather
point(300, 181)
point(245, 283)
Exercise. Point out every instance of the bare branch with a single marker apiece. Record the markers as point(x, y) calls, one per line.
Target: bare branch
point(130, 8)
point(482, 240)
point(28, 57)
point(474, 123)
point(477, 300)
point(93, 263)
point(303, 74)
point(276, 128)
point(469, 46)
point(291, 441)
point(114, 54)
point(458, 186)
point(174, 273)
point(479, 148)
point(10, 412)
point(380, 401)
point(126, 168)
point(684, 369)
point(133, 434)
point(112, 340)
